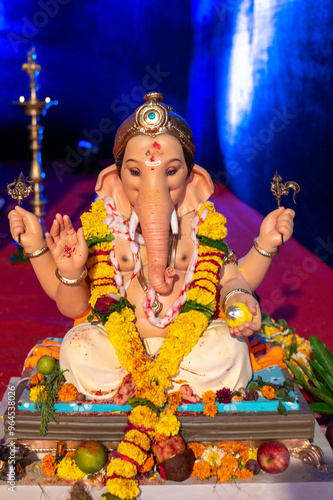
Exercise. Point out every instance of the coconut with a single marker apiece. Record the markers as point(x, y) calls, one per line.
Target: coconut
point(179, 467)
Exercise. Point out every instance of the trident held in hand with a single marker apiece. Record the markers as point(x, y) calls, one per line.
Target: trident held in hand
point(279, 189)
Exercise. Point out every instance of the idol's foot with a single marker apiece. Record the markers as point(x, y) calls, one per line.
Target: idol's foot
point(125, 392)
point(188, 394)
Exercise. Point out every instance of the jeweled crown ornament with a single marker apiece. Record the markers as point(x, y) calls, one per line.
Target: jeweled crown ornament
point(153, 118)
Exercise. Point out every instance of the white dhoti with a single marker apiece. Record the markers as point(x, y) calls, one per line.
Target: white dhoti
point(216, 361)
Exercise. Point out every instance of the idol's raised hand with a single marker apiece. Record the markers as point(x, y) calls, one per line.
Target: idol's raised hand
point(25, 228)
point(68, 247)
point(277, 223)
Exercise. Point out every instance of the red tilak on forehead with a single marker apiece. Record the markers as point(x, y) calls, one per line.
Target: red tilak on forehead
point(156, 145)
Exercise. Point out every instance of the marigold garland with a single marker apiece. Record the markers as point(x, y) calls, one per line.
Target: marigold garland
point(153, 377)
point(36, 378)
point(67, 469)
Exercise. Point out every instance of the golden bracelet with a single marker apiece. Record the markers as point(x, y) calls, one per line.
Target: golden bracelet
point(231, 293)
point(44, 248)
point(263, 252)
point(67, 281)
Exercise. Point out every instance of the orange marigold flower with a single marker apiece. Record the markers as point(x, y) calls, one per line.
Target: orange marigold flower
point(160, 437)
point(268, 392)
point(208, 397)
point(36, 378)
point(148, 465)
point(70, 454)
point(201, 470)
point(243, 473)
point(49, 465)
point(229, 462)
point(241, 449)
point(223, 474)
point(210, 410)
point(67, 392)
point(224, 445)
point(175, 398)
point(197, 449)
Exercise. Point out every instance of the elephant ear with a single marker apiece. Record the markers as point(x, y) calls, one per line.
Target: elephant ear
point(199, 187)
point(109, 184)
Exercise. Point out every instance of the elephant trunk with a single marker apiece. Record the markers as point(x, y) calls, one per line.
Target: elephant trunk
point(154, 213)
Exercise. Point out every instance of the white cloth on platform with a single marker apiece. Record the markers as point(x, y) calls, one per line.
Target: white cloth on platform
point(217, 360)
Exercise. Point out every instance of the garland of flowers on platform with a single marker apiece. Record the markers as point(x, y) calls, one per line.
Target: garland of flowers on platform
point(189, 320)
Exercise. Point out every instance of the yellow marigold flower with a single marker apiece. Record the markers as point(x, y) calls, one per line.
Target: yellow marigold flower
point(201, 296)
point(142, 415)
point(268, 392)
point(148, 465)
point(210, 410)
point(123, 488)
point(207, 204)
point(138, 438)
point(49, 465)
point(175, 398)
point(213, 226)
point(67, 392)
point(197, 448)
point(253, 453)
point(104, 246)
point(201, 469)
point(35, 393)
point(243, 473)
point(121, 468)
point(208, 397)
point(168, 424)
point(100, 291)
point(36, 378)
point(67, 469)
point(128, 314)
point(132, 451)
point(160, 437)
point(102, 270)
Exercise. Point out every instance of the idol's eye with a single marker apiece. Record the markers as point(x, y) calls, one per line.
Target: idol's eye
point(172, 171)
point(134, 171)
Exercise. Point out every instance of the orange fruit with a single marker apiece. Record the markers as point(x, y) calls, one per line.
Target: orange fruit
point(90, 456)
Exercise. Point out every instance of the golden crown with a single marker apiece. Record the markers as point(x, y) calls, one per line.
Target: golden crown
point(153, 118)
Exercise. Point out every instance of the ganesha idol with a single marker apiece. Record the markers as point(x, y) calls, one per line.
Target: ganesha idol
point(151, 271)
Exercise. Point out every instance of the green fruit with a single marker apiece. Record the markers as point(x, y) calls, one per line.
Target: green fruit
point(90, 456)
point(46, 365)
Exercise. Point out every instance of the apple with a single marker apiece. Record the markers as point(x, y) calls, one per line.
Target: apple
point(273, 457)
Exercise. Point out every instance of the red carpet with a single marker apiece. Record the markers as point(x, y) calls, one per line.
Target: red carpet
point(298, 286)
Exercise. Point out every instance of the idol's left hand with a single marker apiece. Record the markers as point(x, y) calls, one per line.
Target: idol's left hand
point(249, 327)
point(277, 223)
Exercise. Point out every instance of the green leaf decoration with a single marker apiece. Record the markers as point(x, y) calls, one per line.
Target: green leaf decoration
point(281, 393)
point(191, 305)
point(309, 374)
point(321, 408)
point(324, 377)
point(282, 322)
point(133, 402)
point(281, 409)
point(298, 374)
point(288, 384)
point(93, 241)
point(321, 354)
point(204, 240)
point(108, 496)
point(46, 404)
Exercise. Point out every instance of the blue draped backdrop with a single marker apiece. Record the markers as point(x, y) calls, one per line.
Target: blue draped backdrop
point(253, 78)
